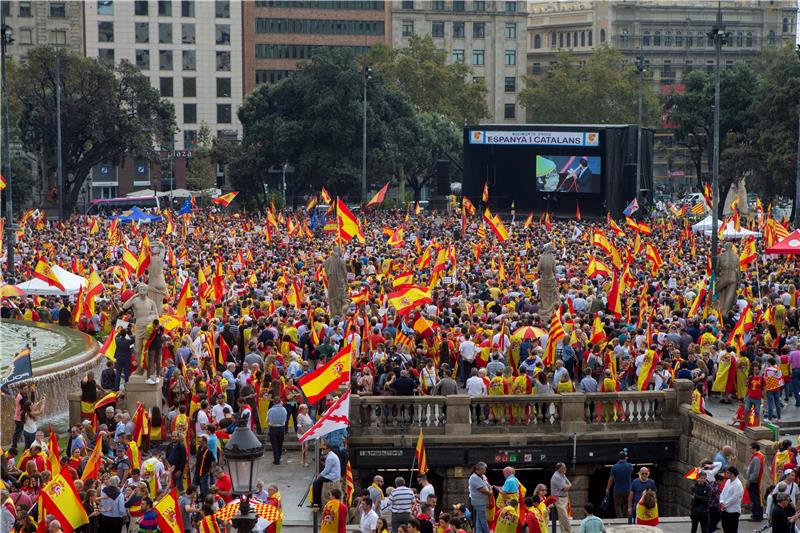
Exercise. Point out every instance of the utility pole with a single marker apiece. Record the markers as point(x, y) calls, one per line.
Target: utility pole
point(61, 189)
point(797, 169)
point(6, 38)
point(720, 37)
point(367, 77)
point(640, 67)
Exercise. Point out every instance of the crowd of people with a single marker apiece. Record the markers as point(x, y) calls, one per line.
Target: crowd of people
point(257, 319)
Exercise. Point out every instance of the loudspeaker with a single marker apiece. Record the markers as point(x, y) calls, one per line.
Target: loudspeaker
point(443, 177)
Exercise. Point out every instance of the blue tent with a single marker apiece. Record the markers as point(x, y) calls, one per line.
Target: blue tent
point(137, 215)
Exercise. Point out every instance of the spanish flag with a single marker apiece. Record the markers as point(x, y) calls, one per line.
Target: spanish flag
point(144, 256)
point(597, 268)
point(485, 195)
point(649, 364)
point(614, 297)
point(598, 331)
point(528, 221)
point(748, 254)
point(60, 499)
point(46, 274)
point(408, 298)
point(379, 196)
point(346, 223)
point(601, 241)
point(496, 225)
point(129, 260)
point(168, 515)
point(92, 467)
point(94, 226)
point(420, 456)
point(53, 454)
point(468, 206)
point(327, 378)
point(226, 199)
point(2, 182)
point(697, 304)
point(184, 299)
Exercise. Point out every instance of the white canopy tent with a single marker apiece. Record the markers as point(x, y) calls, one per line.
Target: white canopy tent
point(730, 232)
point(71, 282)
point(703, 225)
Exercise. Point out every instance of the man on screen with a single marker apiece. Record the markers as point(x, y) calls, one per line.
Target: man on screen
point(583, 176)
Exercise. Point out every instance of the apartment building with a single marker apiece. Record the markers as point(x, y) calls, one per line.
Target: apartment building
point(40, 23)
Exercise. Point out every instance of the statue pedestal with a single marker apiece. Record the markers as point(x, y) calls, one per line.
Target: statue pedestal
point(138, 390)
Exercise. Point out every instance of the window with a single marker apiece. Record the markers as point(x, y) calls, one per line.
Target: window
point(190, 113)
point(165, 33)
point(749, 40)
point(458, 5)
point(143, 59)
point(106, 56)
point(510, 111)
point(511, 7)
point(437, 29)
point(478, 30)
point(164, 8)
point(26, 36)
point(575, 39)
point(5, 8)
point(59, 38)
point(709, 41)
point(569, 40)
point(602, 36)
point(166, 87)
point(189, 87)
point(458, 30)
point(740, 39)
point(623, 37)
point(165, 59)
point(537, 41)
point(646, 38)
point(771, 38)
point(187, 8)
point(223, 32)
point(437, 5)
point(688, 67)
point(590, 37)
point(668, 38)
point(408, 28)
point(689, 41)
point(679, 39)
point(785, 25)
point(105, 32)
point(189, 139)
point(223, 113)
point(58, 9)
point(477, 57)
point(511, 57)
point(408, 4)
point(657, 38)
point(552, 39)
point(510, 84)
point(536, 69)
point(479, 5)
point(223, 87)
point(667, 74)
point(583, 38)
point(223, 61)
point(560, 39)
point(222, 9)
point(511, 30)
point(142, 32)
point(188, 34)
point(25, 9)
point(458, 55)
point(189, 59)
point(140, 8)
point(105, 7)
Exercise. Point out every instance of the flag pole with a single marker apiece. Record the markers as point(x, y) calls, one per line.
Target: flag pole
point(413, 463)
point(758, 279)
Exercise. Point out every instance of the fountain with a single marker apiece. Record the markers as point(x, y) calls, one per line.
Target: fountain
point(60, 357)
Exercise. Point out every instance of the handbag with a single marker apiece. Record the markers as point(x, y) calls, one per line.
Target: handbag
point(605, 505)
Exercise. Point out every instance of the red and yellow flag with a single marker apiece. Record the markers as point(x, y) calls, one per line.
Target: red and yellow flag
point(327, 378)
point(53, 454)
point(420, 455)
point(485, 195)
point(60, 499)
point(350, 485)
point(748, 254)
point(379, 196)
point(496, 225)
point(144, 256)
point(226, 199)
point(555, 334)
point(347, 223)
point(408, 298)
point(92, 467)
point(184, 299)
point(326, 198)
point(46, 274)
point(168, 515)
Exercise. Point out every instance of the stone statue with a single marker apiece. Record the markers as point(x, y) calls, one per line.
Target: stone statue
point(738, 191)
point(728, 272)
point(548, 288)
point(156, 287)
point(336, 272)
point(145, 311)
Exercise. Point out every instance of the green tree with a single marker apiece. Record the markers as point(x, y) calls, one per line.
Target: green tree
point(23, 183)
point(602, 91)
point(421, 71)
point(105, 114)
point(200, 174)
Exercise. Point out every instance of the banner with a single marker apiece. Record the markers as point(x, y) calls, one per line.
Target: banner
point(539, 138)
point(20, 369)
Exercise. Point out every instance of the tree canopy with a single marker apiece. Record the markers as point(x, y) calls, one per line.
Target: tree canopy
point(604, 90)
point(105, 114)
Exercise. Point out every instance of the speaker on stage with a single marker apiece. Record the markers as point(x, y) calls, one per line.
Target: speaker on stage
point(443, 177)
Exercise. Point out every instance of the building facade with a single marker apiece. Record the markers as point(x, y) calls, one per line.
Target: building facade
point(40, 23)
point(191, 52)
point(279, 34)
point(489, 36)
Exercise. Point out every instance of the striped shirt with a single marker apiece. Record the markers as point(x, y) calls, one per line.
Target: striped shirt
point(399, 501)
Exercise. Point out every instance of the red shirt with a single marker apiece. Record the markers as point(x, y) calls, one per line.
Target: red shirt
point(224, 485)
point(755, 387)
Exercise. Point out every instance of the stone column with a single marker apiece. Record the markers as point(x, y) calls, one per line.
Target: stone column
point(683, 388)
point(138, 390)
point(458, 415)
point(579, 493)
point(573, 414)
point(455, 488)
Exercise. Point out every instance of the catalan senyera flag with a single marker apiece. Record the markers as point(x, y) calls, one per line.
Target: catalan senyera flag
point(408, 298)
point(420, 456)
point(697, 304)
point(143, 261)
point(350, 485)
point(496, 225)
point(401, 339)
point(94, 226)
point(555, 334)
point(60, 499)
point(168, 515)
point(226, 199)
point(43, 272)
point(468, 206)
point(327, 378)
point(346, 222)
point(379, 196)
point(208, 525)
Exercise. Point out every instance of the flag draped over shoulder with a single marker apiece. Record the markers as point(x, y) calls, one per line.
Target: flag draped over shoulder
point(327, 378)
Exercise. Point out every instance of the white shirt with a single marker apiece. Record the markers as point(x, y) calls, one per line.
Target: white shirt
point(467, 350)
point(426, 491)
point(476, 386)
point(731, 496)
point(217, 413)
point(368, 522)
point(202, 420)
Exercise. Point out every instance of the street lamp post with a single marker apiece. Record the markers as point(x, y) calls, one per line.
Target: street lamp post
point(797, 168)
point(61, 188)
point(720, 37)
point(242, 453)
point(640, 68)
point(367, 77)
point(6, 38)
point(283, 177)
